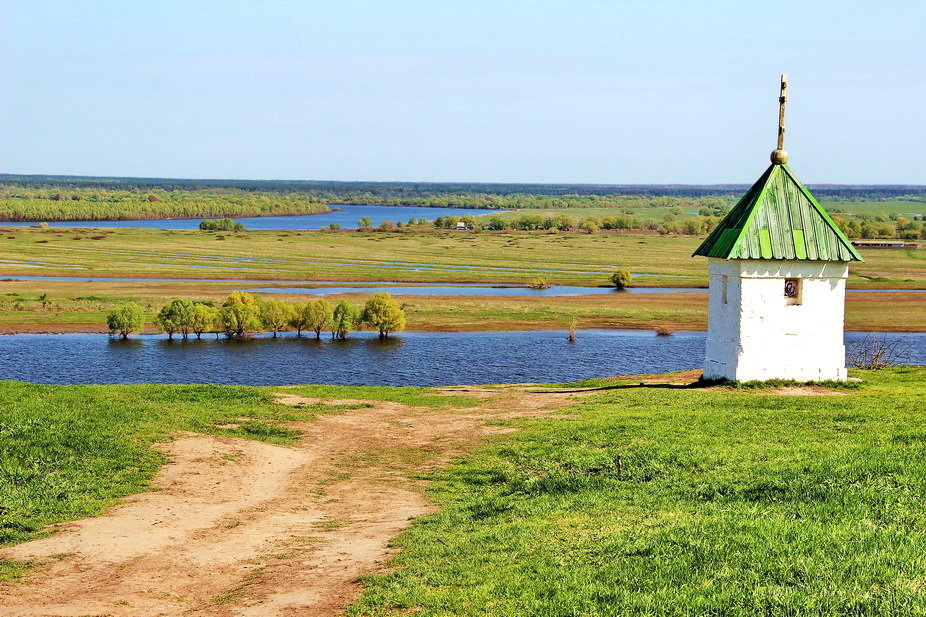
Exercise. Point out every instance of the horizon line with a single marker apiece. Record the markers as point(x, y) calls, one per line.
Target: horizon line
point(719, 185)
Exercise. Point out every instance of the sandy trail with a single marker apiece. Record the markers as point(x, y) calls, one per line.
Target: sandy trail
point(243, 528)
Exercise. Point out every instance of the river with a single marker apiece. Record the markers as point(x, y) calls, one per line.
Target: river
point(409, 358)
point(346, 217)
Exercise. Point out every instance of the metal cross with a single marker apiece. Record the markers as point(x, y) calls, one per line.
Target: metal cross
point(782, 99)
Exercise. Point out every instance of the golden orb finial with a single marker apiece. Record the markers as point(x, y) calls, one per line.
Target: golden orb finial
point(779, 156)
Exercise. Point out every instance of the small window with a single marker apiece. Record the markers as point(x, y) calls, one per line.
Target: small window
point(723, 287)
point(793, 291)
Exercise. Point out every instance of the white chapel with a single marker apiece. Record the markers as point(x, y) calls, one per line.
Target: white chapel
point(778, 267)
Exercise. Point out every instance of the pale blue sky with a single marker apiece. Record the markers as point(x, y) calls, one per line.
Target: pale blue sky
point(500, 91)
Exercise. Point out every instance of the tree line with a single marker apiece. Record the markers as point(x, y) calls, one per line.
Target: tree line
point(71, 203)
point(909, 227)
point(388, 190)
point(74, 204)
point(671, 222)
point(25, 203)
point(243, 313)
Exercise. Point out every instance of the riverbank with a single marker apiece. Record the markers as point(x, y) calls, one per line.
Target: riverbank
point(152, 216)
point(170, 263)
point(82, 307)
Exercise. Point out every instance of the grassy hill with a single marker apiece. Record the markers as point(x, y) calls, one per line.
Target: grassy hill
point(641, 496)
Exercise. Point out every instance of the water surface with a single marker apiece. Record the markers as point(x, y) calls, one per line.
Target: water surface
point(347, 218)
point(323, 288)
point(410, 358)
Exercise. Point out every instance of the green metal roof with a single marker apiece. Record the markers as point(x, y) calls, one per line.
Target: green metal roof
point(778, 218)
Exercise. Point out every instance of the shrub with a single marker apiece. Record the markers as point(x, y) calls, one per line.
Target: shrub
point(621, 278)
point(877, 352)
point(225, 224)
point(539, 283)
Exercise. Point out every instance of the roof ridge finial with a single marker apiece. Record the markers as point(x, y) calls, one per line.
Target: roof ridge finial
point(780, 155)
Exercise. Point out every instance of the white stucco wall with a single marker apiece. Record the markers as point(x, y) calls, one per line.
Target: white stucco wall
point(759, 334)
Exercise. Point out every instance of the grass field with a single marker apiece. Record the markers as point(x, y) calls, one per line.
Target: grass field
point(665, 499)
point(68, 451)
point(679, 501)
point(82, 307)
point(433, 257)
point(902, 207)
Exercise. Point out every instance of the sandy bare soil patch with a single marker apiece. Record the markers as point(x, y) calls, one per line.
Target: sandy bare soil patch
point(243, 528)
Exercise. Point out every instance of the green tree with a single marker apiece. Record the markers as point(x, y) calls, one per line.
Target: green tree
point(564, 223)
point(203, 319)
point(315, 315)
point(383, 313)
point(447, 222)
point(125, 319)
point(497, 223)
point(694, 226)
point(241, 297)
point(276, 315)
point(221, 225)
point(182, 311)
point(240, 313)
point(621, 278)
point(175, 316)
point(344, 319)
point(163, 321)
point(365, 223)
point(589, 225)
point(238, 319)
point(298, 320)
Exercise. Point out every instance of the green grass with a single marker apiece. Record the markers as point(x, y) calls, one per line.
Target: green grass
point(654, 500)
point(666, 501)
point(450, 257)
point(67, 451)
point(875, 207)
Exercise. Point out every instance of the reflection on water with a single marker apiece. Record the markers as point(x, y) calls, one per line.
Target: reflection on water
point(410, 358)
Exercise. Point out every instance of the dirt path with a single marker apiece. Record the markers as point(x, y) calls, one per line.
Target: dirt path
point(243, 528)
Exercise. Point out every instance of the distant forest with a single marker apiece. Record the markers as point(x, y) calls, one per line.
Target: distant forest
point(418, 193)
point(662, 208)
